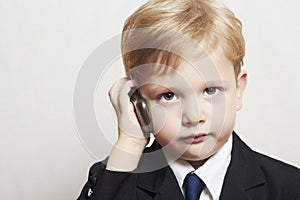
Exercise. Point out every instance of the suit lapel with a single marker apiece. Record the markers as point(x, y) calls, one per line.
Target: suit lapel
point(159, 184)
point(170, 188)
point(244, 173)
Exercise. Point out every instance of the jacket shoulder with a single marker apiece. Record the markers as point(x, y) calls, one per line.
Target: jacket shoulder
point(88, 189)
point(278, 170)
point(259, 176)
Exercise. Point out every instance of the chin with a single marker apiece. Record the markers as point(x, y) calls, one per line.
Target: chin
point(195, 157)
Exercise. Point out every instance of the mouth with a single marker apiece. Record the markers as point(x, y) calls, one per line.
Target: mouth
point(195, 138)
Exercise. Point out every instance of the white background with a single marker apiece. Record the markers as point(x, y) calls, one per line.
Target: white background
point(43, 45)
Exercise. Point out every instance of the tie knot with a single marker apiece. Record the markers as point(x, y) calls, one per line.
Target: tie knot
point(193, 186)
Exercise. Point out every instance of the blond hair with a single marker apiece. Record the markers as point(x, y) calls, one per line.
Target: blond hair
point(208, 23)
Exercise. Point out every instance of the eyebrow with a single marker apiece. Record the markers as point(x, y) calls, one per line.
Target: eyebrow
point(156, 87)
point(161, 87)
point(217, 82)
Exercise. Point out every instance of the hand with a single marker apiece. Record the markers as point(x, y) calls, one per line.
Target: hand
point(130, 136)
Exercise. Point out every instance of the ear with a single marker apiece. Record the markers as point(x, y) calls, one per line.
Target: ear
point(240, 87)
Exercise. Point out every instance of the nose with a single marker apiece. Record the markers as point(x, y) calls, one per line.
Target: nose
point(192, 112)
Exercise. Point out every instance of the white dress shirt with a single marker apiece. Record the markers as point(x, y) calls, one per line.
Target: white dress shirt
point(212, 172)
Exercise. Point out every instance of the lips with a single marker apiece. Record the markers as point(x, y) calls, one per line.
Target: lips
point(195, 139)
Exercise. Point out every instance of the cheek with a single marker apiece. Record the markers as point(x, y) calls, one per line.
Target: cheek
point(166, 123)
point(158, 117)
point(230, 109)
point(229, 118)
point(223, 115)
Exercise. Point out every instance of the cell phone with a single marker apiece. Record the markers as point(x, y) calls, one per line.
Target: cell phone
point(141, 111)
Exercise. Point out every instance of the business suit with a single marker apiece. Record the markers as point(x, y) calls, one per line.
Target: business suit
point(250, 175)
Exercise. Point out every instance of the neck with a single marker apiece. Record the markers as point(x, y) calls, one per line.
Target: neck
point(197, 163)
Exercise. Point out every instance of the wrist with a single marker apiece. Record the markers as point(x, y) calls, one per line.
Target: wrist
point(131, 144)
point(124, 157)
point(126, 154)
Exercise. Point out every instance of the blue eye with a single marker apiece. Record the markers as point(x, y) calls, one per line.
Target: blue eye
point(210, 91)
point(168, 97)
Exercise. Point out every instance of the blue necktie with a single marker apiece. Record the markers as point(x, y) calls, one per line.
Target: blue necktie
point(193, 186)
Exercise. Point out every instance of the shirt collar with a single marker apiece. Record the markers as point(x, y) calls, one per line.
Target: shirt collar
point(212, 172)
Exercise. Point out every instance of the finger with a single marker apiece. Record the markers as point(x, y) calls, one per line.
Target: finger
point(123, 97)
point(114, 90)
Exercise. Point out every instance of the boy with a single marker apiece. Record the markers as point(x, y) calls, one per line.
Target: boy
point(185, 58)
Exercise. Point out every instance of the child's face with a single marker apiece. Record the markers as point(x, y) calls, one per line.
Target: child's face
point(193, 110)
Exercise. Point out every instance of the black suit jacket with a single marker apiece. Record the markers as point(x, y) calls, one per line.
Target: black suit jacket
point(250, 176)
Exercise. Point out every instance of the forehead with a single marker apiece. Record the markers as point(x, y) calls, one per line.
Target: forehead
point(214, 67)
